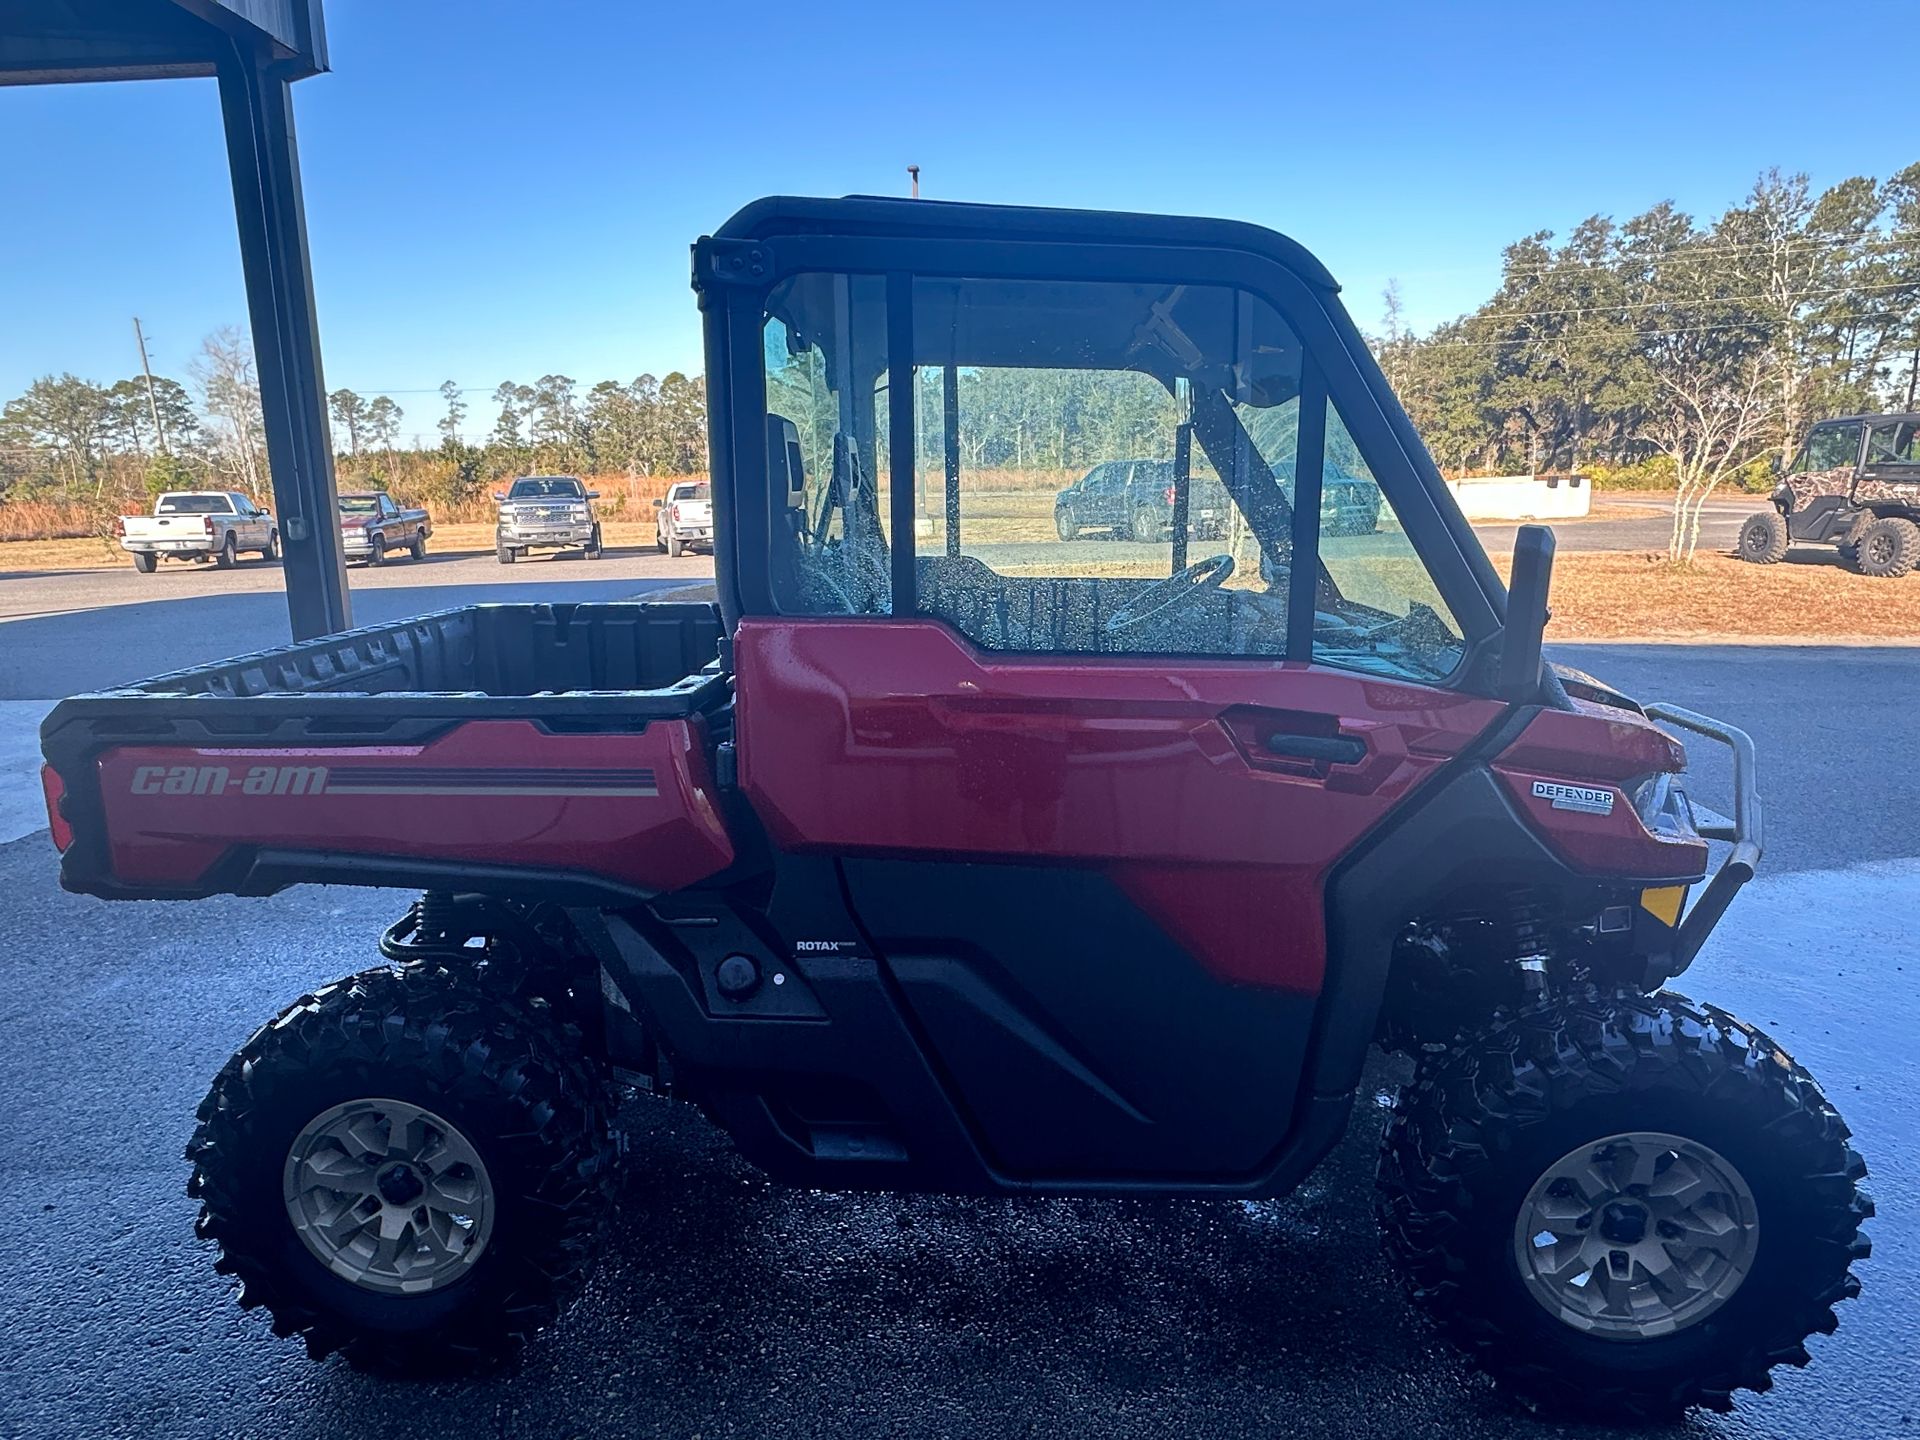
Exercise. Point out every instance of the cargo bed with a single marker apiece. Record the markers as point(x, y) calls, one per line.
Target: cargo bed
point(562, 750)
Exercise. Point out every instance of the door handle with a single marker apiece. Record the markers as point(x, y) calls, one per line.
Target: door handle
point(1330, 749)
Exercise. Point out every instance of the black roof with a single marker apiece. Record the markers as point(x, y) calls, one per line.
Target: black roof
point(881, 215)
point(1910, 416)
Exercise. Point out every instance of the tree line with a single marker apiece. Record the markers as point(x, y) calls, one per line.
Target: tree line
point(98, 446)
point(1698, 350)
point(1662, 346)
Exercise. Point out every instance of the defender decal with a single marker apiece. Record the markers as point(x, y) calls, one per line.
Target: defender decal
point(1583, 798)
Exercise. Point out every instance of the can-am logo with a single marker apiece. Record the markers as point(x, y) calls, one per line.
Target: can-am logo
point(1583, 798)
point(222, 780)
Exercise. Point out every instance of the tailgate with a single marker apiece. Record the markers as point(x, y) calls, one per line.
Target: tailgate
point(164, 527)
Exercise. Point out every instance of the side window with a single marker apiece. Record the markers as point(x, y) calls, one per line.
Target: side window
point(824, 350)
point(1831, 447)
point(1071, 404)
point(1389, 618)
point(1098, 468)
point(1894, 445)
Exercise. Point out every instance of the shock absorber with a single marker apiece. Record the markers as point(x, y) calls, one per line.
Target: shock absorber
point(431, 929)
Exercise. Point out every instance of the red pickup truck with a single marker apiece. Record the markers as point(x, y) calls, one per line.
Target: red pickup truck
point(942, 855)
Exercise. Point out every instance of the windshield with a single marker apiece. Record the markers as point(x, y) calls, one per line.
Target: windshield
point(194, 505)
point(359, 505)
point(543, 487)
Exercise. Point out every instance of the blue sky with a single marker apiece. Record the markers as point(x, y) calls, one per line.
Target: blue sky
point(502, 190)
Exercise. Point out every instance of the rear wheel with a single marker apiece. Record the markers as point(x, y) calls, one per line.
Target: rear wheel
point(1623, 1206)
point(674, 547)
point(406, 1168)
point(229, 554)
point(1763, 539)
point(1888, 548)
point(417, 547)
point(146, 564)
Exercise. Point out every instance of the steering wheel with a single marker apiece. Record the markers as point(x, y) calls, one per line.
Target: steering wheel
point(1164, 595)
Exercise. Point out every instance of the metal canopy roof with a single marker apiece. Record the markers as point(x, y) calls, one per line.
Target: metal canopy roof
point(49, 41)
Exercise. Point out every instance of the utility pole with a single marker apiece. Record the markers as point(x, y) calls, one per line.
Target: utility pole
point(914, 171)
point(153, 406)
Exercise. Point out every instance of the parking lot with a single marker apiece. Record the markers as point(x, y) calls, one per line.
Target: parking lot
point(725, 1306)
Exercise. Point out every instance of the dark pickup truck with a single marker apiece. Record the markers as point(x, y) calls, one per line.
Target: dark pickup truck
point(373, 527)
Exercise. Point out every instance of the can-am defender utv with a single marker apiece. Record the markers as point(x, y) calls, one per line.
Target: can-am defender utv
point(1856, 486)
point(946, 854)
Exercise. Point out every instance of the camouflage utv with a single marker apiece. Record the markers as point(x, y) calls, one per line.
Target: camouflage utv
point(1856, 485)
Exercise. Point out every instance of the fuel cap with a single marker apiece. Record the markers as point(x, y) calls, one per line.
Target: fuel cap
point(737, 977)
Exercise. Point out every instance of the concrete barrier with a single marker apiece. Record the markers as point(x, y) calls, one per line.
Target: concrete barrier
point(1523, 497)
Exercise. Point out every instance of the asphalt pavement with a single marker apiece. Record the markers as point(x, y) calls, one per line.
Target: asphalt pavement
point(726, 1306)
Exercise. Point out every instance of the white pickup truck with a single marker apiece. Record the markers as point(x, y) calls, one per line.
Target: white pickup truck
point(198, 525)
point(686, 517)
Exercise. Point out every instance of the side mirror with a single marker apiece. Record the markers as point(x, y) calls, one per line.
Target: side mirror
point(1527, 614)
point(593, 494)
point(500, 496)
point(658, 503)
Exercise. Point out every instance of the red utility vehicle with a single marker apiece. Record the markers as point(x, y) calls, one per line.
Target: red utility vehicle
point(946, 853)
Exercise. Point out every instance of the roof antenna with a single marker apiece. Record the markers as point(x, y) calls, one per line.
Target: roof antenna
point(914, 171)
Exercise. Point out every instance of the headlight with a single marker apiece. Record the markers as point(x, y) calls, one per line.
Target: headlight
point(1663, 807)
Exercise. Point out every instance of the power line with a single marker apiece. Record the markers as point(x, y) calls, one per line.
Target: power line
point(1869, 242)
point(1573, 310)
point(1634, 334)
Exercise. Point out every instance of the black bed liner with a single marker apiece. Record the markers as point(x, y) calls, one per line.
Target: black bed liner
point(571, 665)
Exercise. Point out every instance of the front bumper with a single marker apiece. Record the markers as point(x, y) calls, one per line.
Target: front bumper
point(1745, 830)
point(546, 537)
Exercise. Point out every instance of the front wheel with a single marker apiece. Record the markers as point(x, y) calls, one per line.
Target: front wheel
point(504, 554)
point(1623, 1206)
point(407, 1168)
point(1145, 524)
point(1064, 525)
point(1763, 539)
point(272, 552)
point(595, 549)
point(377, 555)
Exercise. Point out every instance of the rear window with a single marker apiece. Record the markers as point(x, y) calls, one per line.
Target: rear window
point(537, 487)
point(194, 505)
